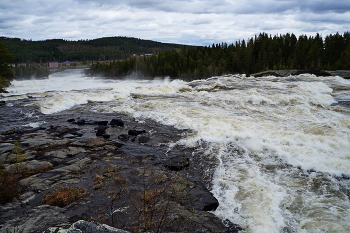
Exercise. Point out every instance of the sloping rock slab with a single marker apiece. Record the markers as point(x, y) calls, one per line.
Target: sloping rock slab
point(37, 220)
point(86, 227)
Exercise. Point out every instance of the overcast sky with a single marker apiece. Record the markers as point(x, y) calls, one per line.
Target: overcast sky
point(195, 22)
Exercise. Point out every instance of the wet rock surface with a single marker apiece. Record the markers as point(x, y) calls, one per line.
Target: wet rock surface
point(134, 180)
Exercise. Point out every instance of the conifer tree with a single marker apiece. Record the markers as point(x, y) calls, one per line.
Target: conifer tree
point(5, 70)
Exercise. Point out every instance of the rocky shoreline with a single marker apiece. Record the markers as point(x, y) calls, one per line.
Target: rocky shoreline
point(128, 177)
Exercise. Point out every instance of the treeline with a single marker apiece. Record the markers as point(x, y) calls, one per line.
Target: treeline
point(108, 48)
point(259, 53)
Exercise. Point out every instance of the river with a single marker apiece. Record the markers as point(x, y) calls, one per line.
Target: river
point(279, 148)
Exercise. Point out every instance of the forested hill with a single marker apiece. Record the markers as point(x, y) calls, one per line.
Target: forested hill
point(108, 48)
point(259, 53)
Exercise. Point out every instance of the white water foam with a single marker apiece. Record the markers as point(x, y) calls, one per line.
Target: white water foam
point(280, 145)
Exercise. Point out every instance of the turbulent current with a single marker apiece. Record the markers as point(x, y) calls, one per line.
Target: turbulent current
point(280, 146)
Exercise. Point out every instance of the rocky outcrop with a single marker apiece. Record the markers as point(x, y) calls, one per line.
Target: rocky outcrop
point(121, 175)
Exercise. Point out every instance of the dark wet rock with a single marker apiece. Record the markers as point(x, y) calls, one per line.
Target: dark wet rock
point(135, 132)
point(95, 143)
point(267, 73)
point(124, 137)
point(71, 120)
point(2, 103)
point(83, 226)
point(80, 122)
point(199, 197)
point(106, 136)
point(232, 228)
point(102, 123)
point(314, 72)
point(100, 131)
point(177, 163)
point(143, 139)
point(60, 131)
point(117, 122)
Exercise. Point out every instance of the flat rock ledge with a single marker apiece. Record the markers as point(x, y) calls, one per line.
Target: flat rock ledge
point(82, 226)
point(131, 184)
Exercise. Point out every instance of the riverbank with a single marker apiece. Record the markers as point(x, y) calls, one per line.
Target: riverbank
point(128, 177)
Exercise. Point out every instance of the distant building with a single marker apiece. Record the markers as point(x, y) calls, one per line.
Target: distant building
point(52, 64)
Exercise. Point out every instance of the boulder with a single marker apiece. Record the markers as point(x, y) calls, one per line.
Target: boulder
point(201, 198)
point(117, 122)
point(100, 131)
point(135, 132)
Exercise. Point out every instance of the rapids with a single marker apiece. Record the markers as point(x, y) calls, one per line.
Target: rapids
point(280, 147)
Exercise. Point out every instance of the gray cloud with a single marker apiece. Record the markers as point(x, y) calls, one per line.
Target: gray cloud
point(198, 22)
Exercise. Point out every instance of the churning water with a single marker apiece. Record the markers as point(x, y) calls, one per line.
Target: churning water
point(281, 146)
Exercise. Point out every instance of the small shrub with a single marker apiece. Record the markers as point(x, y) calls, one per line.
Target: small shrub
point(9, 187)
point(19, 158)
point(63, 196)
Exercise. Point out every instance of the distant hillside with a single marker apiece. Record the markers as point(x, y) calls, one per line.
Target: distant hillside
point(108, 48)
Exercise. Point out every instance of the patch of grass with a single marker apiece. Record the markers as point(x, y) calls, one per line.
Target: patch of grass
point(14, 230)
point(64, 196)
point(114, 169)
point(98, 181)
